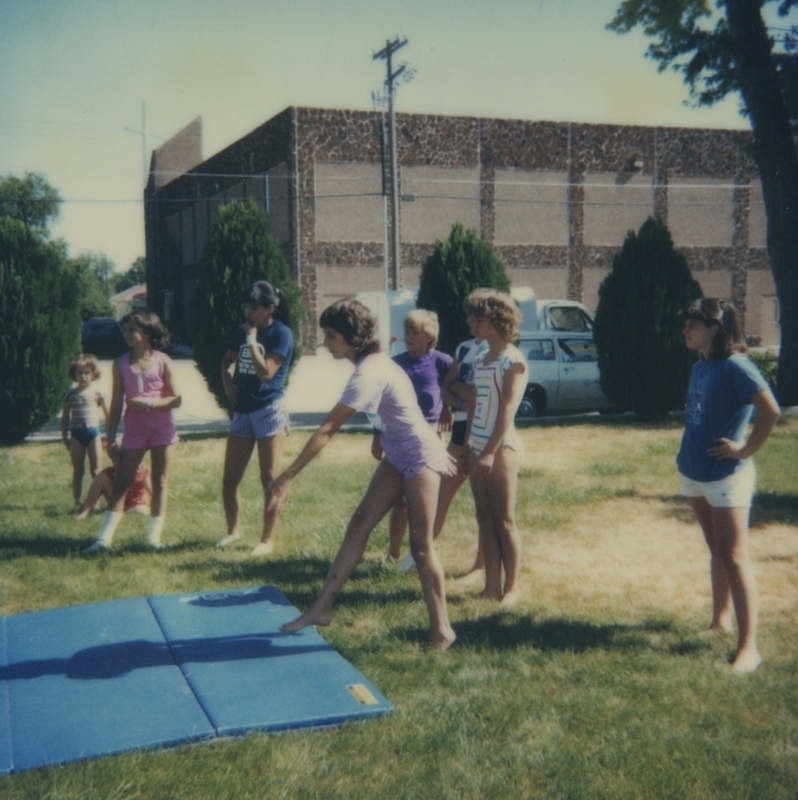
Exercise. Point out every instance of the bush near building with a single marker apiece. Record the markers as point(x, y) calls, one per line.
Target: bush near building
point(457, 266)
point(644, 364)
point(239, 251)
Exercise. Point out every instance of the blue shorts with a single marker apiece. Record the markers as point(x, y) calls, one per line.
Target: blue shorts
point(263, 423)
point(84, 435)
point(735, 491)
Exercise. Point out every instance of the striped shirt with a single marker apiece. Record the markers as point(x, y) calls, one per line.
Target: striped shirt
point(489, 380)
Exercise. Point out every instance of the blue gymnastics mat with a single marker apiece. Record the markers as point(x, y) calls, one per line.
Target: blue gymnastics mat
point(87, 681)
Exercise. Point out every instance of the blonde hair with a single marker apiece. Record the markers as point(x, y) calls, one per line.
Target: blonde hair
point(425, 321)
point(496, 307)
point(84, 360)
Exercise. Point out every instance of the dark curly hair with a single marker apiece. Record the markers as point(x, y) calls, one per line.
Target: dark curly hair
point(355, 322)
point(152, 326)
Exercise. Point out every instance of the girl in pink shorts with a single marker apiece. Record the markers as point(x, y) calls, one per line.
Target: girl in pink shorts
point(414, 460)
point(144, 385)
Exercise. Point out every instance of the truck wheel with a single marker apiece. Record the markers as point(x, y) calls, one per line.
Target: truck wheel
point(531, 405)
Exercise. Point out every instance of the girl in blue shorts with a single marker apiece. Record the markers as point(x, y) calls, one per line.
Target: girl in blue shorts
point(80, 420)
point(261, 351)
point(714, 461)
point(414, 458)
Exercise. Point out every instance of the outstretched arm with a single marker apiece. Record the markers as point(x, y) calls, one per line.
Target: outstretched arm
point(281, 485)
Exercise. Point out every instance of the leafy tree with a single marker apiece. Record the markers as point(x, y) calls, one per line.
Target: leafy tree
point(730, 50)
point(239, 251)
point(644, 364)
point(92, 274)
point(132, 277)
point(39, 329)
point(457, 266)
point(30, 200)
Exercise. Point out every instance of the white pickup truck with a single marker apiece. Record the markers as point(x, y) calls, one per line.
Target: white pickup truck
point(391, 307)
point(563, 374)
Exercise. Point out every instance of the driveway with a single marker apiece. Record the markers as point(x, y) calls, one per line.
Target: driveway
point(313, 389)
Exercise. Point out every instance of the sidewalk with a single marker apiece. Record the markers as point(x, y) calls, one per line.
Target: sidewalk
point(315, 385)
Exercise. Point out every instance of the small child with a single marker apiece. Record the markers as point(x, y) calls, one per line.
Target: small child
point(80, 420)
point(427, 368)
point(136, 499)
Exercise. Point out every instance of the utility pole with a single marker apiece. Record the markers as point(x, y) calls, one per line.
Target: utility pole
point(144, 136)
point(387, 54)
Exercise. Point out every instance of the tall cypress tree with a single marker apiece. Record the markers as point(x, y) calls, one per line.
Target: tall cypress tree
point(239, 251)
point(644, 364)
point(457, 266)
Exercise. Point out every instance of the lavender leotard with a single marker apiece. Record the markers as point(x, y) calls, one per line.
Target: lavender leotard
point(379, 386)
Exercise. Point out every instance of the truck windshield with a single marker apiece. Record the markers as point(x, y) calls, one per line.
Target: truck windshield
point(569, 318)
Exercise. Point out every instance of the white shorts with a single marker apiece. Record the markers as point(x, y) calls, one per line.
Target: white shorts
point(736, 491)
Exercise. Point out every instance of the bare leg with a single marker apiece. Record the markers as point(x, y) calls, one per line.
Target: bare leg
point(502, 490)
point(397, 524)
point(126, 467)
point(422, 502)
point(93, 451)
point(161, 456)
point(731, 530)
point(77, 453)
point(488, 538)
point(236, 457)
point(382, 494)
point(101, 486)
point(719, 579)
point(270, 454)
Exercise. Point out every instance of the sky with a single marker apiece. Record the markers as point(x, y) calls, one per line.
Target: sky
point(76, 75)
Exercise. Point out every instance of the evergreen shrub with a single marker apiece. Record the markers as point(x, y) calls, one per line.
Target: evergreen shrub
point(644, 364)
point(456, 267)
point(39, 329)
point(239, 251)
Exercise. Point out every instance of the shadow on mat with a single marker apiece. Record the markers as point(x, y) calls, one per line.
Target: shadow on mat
point(110, 661)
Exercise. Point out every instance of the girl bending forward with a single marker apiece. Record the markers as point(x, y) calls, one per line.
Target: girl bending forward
point(414, 460)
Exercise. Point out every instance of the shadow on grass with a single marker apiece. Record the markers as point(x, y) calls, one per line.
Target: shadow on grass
point(503, 632)
point(13, 546)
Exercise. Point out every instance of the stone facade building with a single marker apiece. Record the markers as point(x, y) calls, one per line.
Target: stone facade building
point(553, 199)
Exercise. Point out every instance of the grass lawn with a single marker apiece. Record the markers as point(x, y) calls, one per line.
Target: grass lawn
point(595, 685)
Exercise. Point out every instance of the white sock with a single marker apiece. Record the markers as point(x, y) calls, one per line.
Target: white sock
point(154, 528)
point(108, 526)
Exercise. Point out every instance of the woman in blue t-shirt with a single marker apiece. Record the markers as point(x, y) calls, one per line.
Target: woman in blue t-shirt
point(261, 351)
point(714, 461)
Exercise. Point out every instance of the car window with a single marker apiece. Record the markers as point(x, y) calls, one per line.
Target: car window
point(569, 318)
point(581, 349)
point(539, 350)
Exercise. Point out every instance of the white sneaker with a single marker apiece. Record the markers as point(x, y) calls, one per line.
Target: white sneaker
point(407, 564)
point(229, 539)
point(97, 547)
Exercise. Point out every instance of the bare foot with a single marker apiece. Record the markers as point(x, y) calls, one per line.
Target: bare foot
point(490, 595)
point(474, 574)
point(510, 599)
point(81, 514)
point(310, 617)
point(715, 630)
point(746, 661)
point(442, 641)
point(263, 549)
